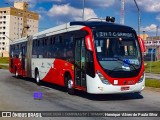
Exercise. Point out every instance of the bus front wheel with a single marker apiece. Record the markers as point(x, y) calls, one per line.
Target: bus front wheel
point(70, 88)
point(16, 73)
point(37, 78)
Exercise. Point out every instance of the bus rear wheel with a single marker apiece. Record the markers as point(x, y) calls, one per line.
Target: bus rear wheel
point(37, 78)
point(16, 73)
point(69, 85)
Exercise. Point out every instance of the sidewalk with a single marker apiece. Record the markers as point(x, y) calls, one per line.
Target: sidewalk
point(154, 76)
point(4, 64)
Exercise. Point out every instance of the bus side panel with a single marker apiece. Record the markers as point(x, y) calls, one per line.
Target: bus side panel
point(18, 58)
point(17, 65)
point(51, 70)
point(11, 69)
point(56, 73)
point(43, 65)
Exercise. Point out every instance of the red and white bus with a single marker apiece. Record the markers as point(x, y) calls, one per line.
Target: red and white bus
point(94, 56)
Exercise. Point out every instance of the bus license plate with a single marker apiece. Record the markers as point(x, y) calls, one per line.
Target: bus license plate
point(124, 88)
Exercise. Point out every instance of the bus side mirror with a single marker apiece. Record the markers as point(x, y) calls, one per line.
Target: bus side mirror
point(141, 42)
point(88, 42)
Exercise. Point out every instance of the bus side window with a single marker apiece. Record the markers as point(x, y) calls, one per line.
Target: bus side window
point(60, 39)
point(54, 40)
point(38, 43)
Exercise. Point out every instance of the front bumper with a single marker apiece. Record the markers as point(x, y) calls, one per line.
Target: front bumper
point(95, 86)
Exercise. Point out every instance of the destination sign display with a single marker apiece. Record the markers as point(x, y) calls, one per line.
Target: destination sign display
point(113, 34)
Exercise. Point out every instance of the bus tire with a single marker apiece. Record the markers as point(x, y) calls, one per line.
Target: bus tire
point(69, 85)
point(37, 78)
point(16, 73)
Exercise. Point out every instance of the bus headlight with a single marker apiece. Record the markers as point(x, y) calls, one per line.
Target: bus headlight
point(103, 79)
point(141, 78)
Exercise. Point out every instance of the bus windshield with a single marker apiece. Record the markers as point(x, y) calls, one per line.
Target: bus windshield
point(118, 53)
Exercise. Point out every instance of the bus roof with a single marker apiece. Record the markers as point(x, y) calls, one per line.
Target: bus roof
point(99, 24)
point(51, 31)
point(57, 30)
point(77, 25)
point(19, 40)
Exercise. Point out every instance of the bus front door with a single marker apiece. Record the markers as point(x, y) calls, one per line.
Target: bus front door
point(80, 63)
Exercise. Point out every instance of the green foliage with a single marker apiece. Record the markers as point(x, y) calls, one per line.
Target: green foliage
point(4, 60)
point(155, 67)
point(153, 83)
point(4, 67)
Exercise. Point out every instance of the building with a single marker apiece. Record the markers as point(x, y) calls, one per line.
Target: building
point(153, 47)
point(16, 22)
point(144, 36)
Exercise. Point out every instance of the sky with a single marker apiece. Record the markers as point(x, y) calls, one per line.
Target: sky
point(56, 12)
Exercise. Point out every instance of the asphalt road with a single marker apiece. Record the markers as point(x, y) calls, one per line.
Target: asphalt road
point(153, 76)
point(17, 95)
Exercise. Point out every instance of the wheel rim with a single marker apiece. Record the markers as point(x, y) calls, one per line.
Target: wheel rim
point(37, 78)
point(70, 84)
point(16, 73)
